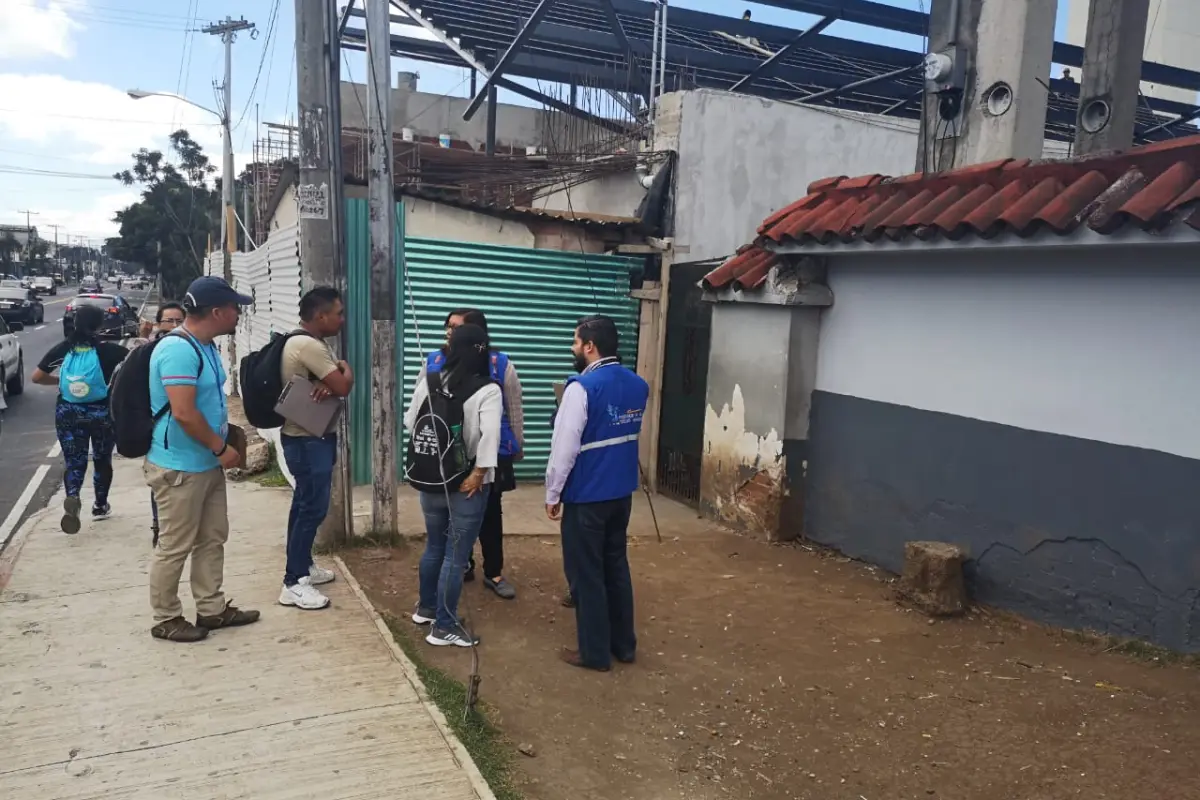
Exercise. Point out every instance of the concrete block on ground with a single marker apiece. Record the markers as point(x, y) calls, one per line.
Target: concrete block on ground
point(933, 578)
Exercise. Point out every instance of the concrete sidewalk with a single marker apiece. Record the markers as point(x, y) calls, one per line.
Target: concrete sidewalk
point(300, 705)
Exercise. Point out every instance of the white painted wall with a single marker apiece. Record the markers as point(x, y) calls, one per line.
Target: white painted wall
point(429, 220)
point(286, 213)
point(1098, 345)
point(742, 158)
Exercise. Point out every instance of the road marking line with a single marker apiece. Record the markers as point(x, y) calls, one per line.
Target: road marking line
point(55, 451)
point(60, 319)
point(39, 327)
point(18, 509)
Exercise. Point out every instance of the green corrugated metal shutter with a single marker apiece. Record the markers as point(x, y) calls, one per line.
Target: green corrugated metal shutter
point(532, 299)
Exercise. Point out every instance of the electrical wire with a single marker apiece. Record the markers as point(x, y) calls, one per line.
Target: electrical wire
point(271, 22)
point(599, 309)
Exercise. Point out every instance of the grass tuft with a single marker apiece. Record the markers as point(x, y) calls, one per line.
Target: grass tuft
point(273, 478)
point(486, 744)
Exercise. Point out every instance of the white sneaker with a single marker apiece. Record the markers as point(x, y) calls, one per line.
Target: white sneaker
point(320, 575)
point(304, 596)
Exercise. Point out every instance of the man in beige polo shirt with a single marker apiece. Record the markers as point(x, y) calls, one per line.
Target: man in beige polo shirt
point(309, 458)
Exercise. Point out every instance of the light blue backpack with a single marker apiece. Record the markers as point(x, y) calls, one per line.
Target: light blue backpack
point(80, 378)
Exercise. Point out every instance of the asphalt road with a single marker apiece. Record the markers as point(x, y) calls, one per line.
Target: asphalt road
point(28, 441)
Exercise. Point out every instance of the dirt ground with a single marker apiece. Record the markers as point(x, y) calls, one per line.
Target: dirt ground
point(784, 672)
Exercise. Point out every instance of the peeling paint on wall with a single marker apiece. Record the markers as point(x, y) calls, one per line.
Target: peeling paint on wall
point(742, 479)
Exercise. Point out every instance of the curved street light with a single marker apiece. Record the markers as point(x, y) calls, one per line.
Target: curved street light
point(141, 94)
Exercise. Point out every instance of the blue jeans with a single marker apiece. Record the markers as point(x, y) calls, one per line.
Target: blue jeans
point(451, 529)
point(311, 461)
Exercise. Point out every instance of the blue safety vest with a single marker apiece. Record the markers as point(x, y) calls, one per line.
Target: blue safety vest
point(607, 466)
point(497, 366)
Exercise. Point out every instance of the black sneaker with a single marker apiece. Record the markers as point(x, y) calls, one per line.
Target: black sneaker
point(101, 511)
point(440, 638)
point(70, 518)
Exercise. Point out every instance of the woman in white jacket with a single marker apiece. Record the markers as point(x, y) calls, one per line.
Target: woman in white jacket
point(453, 516)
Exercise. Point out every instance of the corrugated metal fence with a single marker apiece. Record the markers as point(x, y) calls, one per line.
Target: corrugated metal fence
point(271, 275)
point(532, 299)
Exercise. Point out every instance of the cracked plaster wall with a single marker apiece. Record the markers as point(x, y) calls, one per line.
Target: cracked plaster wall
point(762, 365)
point(1044, 416)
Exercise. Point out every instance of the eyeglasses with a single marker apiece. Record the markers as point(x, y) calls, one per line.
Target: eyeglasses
point(172, 321)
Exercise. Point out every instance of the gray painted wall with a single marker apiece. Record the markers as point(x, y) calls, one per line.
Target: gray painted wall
point(433, 114)
point(742, 158)
point(1039, 409)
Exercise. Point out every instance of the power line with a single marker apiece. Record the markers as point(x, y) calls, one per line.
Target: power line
point(261, 61)
point(13, 169)
point(27, 112)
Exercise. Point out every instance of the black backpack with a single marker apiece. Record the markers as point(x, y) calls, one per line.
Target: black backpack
point(262, 381)
point(436, 460)
point(129, 400)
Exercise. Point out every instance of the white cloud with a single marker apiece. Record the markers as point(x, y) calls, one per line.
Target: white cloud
point(31, 29)
point(97, 123)
point(92, 218)
point(87, 127)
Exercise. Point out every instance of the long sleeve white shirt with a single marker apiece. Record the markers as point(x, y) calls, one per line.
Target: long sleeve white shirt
point(481, 423)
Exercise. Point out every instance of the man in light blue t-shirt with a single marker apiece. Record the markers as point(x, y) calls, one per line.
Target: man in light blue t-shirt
point(186, 465)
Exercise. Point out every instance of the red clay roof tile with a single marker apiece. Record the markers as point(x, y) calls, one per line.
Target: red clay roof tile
point(1151, 187)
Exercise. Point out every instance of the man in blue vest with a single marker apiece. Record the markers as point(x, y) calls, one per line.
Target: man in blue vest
point(590, 481)
point(512, 439)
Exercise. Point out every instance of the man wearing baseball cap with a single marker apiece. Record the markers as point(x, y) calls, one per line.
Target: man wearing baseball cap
point(186, 465)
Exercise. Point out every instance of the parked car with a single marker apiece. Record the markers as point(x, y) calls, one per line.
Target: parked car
point(21, 305)
point(44, 284)
point(120, 318)
point(12, 361)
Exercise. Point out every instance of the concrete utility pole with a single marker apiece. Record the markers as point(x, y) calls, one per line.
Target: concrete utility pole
point(381, 191)
point(321, 205)
point(57, 266)
point(986, 78)
point(1112, 70)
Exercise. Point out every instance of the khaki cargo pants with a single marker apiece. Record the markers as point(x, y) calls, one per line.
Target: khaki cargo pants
point(193, 519)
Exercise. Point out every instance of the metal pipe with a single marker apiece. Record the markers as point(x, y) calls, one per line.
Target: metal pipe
point(654, 59)
point(662, 54)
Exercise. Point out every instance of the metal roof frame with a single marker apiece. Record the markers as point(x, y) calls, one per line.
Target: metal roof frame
point(605, 41)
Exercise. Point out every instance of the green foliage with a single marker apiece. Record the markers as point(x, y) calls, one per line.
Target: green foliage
point(168, 230)
point(9, 246)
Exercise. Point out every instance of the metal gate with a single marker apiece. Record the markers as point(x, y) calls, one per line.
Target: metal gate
point(532, 299)
point(685, 382)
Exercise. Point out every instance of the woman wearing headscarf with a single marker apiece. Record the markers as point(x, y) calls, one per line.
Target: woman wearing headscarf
point(82, 368)
point(454, 514)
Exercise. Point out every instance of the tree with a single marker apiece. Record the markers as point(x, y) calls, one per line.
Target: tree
point(168, 230)
point(8, 247)
point(39, 256)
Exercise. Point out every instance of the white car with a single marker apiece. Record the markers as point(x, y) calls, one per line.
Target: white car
point(12, 364)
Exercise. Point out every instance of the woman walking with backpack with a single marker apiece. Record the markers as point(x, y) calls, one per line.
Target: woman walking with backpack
point(453, 424)
point(82, 367)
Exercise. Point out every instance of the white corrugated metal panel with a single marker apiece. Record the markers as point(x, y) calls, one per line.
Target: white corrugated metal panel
point(283, 249)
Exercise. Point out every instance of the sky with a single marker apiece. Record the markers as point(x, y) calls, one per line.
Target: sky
point(66, 65)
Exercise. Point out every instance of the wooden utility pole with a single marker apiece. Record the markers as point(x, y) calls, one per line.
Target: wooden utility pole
point(321, 204)
point(381, 192)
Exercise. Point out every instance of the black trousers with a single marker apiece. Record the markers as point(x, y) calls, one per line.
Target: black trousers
point(596, 559)
point(491, 532)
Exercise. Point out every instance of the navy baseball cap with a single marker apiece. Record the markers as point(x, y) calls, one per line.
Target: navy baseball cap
point(212, 292)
